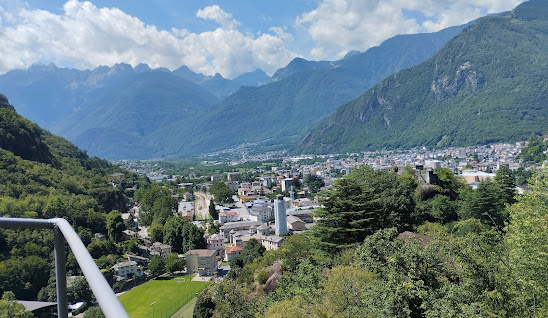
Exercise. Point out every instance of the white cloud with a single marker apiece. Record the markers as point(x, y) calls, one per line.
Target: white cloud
point(217, 14)
point(338, 26)
point(281, 33)
point(85, 36)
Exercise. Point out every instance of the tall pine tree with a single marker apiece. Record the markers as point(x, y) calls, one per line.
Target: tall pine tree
point(361, 203)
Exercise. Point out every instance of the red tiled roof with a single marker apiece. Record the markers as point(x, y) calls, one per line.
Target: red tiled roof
point(231, 249)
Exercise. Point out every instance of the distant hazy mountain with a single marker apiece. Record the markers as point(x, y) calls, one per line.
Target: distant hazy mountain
point(220, 86)
point(186, 73)
point(255, 78)
point(299, 65)
point(486, 85)
point(119, 122)
point(302, 93)
point(47, 94)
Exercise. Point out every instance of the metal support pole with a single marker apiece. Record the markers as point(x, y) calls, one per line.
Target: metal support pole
point(60, 273)
point(109, 303)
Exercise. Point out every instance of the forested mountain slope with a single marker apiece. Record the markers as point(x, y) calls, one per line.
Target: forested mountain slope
point(45, 176)
point(486, 85)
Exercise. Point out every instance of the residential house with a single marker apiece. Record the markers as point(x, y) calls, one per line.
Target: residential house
point(216, 242)
point(129, 235)
point(188, 215)
point(203, 262)
point(124, 269)
point(232, 251)
point(160, 249)
point(247, 198)
point(272, 242)
point(245, 192)
point(228, 216)
point(128, 219)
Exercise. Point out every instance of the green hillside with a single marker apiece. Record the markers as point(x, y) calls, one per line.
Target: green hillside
point(45, 176)
point(488, 84)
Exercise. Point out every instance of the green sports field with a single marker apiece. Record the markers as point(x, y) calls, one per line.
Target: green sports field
point(167, 296)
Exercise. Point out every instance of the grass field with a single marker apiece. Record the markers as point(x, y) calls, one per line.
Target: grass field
point(168, 295)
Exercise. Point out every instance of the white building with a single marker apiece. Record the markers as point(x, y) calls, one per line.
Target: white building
point(261, 212)
point(272, 242)
point(286, 183)
point(126, 268)
point(228, 216)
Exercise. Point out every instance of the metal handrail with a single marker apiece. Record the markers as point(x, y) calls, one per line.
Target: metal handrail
point(106, 298)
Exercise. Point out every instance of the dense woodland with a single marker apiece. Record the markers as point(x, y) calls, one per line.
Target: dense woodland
point(45, 176)
point(388, 246)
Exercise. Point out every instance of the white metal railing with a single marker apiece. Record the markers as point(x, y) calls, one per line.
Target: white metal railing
point(62, 231)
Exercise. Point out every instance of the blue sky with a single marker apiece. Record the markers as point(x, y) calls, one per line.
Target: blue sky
point(228, 36)
point(165, 14)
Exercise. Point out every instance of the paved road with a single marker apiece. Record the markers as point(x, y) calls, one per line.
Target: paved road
point(240, 209)
point(201, 204)
point(143, 230)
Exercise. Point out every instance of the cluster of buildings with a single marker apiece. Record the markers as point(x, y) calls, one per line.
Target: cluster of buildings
point(255, 216)
point(233, 237)
point(136, 262)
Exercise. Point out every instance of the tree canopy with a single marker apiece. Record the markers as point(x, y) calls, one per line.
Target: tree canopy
point(221, 192)
point(361, 203)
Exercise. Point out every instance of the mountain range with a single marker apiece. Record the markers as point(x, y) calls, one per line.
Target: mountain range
point(136, 112)
point(476, 83)
point(46, 94)
point(303, 93)
point(488, 84)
